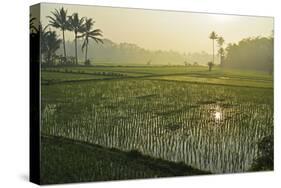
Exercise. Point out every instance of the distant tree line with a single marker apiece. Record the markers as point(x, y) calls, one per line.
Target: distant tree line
point(128, 53)
point(251, 53)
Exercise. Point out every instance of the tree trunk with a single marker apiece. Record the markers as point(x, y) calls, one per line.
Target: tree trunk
point(52, 60)
point(41, 56)
point(76, 58)
point(49, 59)
point(86, 53)
point(64, 51)
point(213, 51)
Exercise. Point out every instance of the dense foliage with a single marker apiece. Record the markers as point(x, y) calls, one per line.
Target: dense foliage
point(49, 45)
point(265, 159)
point(251, 53)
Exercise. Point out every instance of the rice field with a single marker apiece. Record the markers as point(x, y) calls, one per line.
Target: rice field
point(210, 127)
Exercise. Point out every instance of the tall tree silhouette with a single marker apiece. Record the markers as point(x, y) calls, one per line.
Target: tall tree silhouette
point(251, 53)
point(51, 45)
point(34, 40)
point(76, 25)
point(42, 31)
point(213, 36)
point(59, 20)
point(88, 33)
point(32, 27)
point(220, 41)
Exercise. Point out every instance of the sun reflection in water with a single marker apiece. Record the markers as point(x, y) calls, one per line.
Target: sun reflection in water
point(218, 115)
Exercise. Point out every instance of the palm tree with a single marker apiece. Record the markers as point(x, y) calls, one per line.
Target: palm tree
point(213, 36)
point(77, 26)
point(40, 33)
point(59, 20)
point(220, 42)
point(89, 33)
point(43, 33)
point(52, 44)
point(34, 40)
point(32, 27)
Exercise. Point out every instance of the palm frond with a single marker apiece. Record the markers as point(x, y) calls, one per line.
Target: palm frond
point(58, 19)
point(95, 34)
point(76, 24)
point(82, 35)
point(213, 35)
point(98, 40)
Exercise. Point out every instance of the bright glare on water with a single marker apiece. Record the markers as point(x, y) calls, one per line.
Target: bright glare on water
point(217, 115)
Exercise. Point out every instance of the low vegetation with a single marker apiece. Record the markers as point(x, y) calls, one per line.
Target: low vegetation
point(65, 161)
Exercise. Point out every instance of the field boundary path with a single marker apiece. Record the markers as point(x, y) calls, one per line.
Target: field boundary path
point(155, 77)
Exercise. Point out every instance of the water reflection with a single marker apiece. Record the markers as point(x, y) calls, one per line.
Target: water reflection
point(218, 116)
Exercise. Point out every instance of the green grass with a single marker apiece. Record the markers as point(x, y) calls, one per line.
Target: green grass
point(137, 70)
point(95, 70)
point(223, 80)
point(58, 76)
point(197, 74)
point(67, 161)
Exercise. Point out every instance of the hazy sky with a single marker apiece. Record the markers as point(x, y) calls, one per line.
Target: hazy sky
point(166, 30)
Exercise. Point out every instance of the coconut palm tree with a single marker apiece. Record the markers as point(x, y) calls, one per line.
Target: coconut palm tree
point(52, 44)
point(88, 33)
point(213, 36)
point(220, 41)
point(76, 25)
point(59, 21)
point(40, 33)
point(43, 33)
point(34, 40)
point(32, 27)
